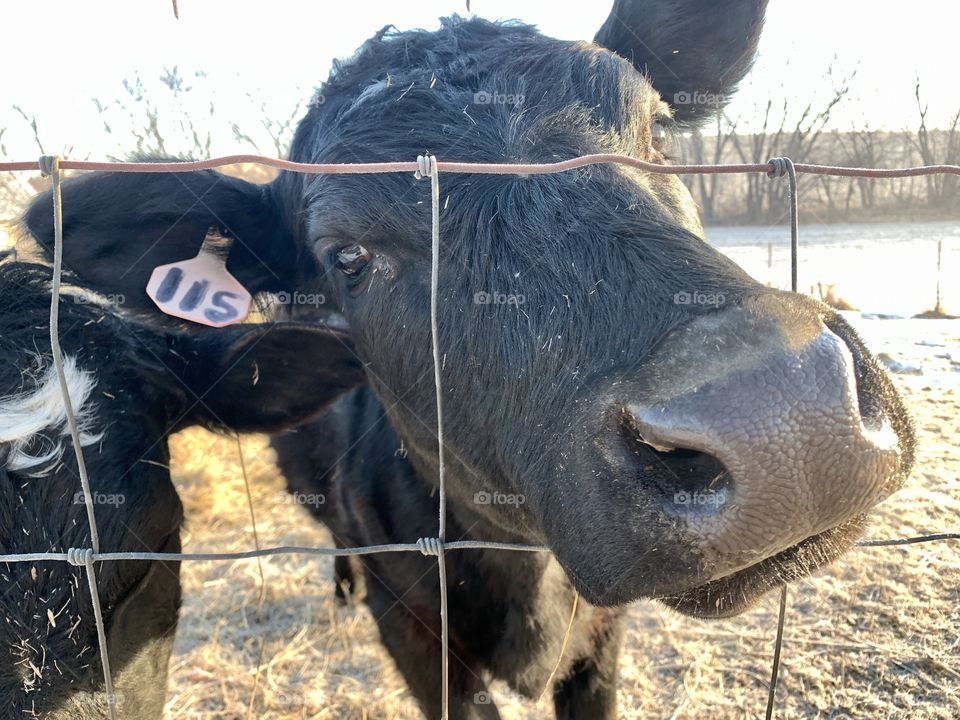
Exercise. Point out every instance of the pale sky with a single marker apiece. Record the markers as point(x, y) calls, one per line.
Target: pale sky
point(271, 53)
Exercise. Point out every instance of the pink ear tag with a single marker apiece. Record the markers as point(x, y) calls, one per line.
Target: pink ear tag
point(200, 290)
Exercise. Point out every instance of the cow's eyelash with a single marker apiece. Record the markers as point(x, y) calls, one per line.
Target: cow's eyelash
point(326, 245)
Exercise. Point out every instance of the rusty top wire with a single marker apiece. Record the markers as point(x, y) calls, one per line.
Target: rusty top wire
point(483, 168)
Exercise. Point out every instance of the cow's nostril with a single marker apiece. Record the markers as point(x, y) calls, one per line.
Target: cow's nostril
point(869, 391)
point(686, 479)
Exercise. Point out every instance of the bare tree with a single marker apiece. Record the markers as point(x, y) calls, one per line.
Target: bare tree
point(704, 151)
point(941, 148)
point(798, 140)
point(150, 119)
point(280, 132)
point(12, 194)
point(862, 148)
point(31, 120)
point(169, 125)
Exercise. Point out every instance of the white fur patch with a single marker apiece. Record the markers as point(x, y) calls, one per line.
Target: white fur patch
point(23, 418)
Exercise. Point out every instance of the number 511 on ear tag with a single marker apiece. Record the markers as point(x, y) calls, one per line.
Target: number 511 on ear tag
point(200, 290)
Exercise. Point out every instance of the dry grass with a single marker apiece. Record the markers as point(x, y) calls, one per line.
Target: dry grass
point(875, 636)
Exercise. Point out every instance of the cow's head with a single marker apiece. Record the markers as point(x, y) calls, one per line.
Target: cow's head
point(675, 429)
point(131, 385)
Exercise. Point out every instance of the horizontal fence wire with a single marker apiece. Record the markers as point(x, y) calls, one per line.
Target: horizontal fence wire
point(424, 166)
point(368, 550)
point(485, 168)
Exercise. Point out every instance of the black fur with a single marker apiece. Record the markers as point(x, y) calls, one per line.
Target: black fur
point(683, 54)
point(42, 665)
point(149, 383)
point(508, 611)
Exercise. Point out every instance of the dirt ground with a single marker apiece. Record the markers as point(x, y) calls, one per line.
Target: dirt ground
point(877, 635)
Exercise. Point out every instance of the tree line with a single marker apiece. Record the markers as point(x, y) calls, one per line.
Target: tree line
point(753, 198)
point(162, 125)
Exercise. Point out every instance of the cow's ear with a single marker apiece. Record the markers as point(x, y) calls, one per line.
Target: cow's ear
point(119, 226)
point(694, 51)
point(265, 377)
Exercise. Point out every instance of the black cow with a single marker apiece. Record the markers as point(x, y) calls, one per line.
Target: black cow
point(131, 386)
point(617, 389)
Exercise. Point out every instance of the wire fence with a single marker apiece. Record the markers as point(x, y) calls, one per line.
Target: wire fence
point(426, 166)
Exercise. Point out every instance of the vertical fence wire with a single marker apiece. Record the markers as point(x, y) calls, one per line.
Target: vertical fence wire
point(777, 646)
point(427, 166)
point(778, 168)
point(50, 165)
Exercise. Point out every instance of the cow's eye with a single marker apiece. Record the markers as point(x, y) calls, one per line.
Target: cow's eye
point(658, 136)
point(352, 259)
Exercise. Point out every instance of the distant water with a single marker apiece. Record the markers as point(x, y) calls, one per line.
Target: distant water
point(879, 268)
